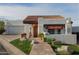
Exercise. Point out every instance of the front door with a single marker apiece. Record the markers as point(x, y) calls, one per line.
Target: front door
point(35, 30)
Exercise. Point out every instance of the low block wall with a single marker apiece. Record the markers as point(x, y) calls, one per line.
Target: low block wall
point(10, 48)
point(68, 39)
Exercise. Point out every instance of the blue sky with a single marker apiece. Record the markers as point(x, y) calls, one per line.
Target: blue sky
point(14, 11)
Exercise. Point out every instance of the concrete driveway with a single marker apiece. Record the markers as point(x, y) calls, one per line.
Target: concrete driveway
point(12, 50)
point(9, 37)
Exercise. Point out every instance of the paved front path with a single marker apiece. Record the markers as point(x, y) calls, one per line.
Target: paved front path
point(42, 49)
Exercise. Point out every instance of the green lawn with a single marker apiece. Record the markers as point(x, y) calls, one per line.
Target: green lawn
point(25, 45)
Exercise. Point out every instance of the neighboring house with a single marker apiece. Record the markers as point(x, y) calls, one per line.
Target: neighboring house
point(75, 30)
point(52, 26)
point(13, 27)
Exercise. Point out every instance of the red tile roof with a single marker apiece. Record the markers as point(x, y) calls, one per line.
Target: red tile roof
point(34, 19)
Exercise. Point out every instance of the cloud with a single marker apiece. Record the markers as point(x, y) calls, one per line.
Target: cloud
point(14, 11)
point(21, 11)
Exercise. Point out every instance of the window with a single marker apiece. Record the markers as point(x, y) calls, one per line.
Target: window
point(59, 31)
point(51, 31)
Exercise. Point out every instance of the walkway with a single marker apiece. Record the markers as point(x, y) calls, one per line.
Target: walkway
point(9, 37)
point(41, 48)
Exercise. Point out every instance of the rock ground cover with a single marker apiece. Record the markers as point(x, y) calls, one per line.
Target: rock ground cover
point(61, 48)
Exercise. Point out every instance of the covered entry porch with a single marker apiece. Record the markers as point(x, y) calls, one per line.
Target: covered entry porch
point(31, 26)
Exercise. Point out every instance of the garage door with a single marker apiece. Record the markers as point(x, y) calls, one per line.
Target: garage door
point(15, 29)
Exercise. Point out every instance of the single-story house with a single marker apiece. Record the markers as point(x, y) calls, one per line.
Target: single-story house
point(55, 26)
point(14, 27)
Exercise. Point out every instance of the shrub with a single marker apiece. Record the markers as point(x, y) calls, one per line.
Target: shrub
point(74, 49)
point(1, 27)
point(48, 40)
point(54, 44)
point(41, 35)
point(63, 53)
point(24, 45)
point(57, 44)
point(52, 41)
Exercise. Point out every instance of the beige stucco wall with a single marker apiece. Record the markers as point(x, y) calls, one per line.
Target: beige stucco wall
point(42, 21)
point(65, 37)
point(68, 39)
point(27, 29)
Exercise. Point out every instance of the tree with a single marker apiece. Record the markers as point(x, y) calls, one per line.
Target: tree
point(2, 27)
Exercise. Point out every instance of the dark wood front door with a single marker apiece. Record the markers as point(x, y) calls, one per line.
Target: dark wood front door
point(35, 30)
